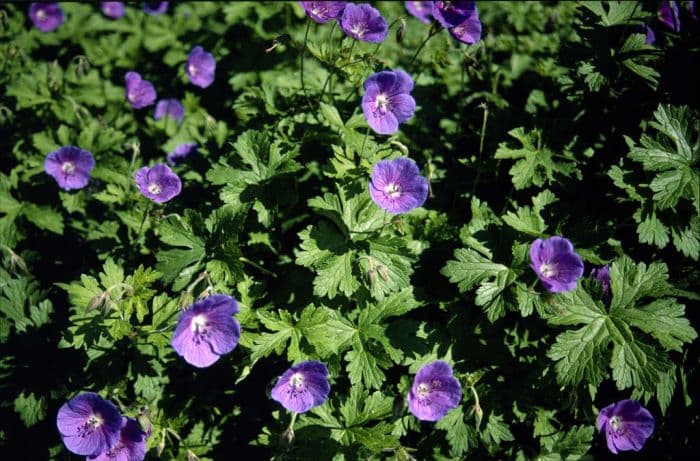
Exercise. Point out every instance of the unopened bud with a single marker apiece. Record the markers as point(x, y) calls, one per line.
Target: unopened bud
point(401, 31)
point(383, 272)
point(144, 420)
point(288, 436)
point(161, 446)
point(98, 302)
point(478, 415)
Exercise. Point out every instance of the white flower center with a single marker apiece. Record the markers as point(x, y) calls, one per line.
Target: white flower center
point(392, 190)
point(418, 6)
point(154, 188)
point(423, 389)
point(296, 381)
point(41, 15)
point(359, 29)
point(68, 167)
point(382, 102)
point(548, 270)
point(199, 323)
point(192, 69)
point(617, 425)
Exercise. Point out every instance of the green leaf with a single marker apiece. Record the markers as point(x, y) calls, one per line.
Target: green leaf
point(336, 276)
point(30, 409)
point(470, 268)
point(496, 430)
point(664, 319)
point(43, 217)
point(461, 436)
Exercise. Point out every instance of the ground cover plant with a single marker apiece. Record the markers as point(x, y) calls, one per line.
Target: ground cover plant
point(343, 230)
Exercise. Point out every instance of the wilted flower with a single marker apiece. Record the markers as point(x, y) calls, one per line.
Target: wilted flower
point(434, 392)
point(181, 152)
point(423, 11)
point(627, 425)
point(46, 16)
point(154, 8)
point(131, 445)
point(114, 10)
point(139, 92)
point(602, 275)
point(460, 17)
point(387, 101)
point(70, 166)
point(669, 15)
point(207, 330)
point(171, 108)
point(201, 67)
point(364, 22)
point(159, 183)
point(302, 387)
point(556, 264)
point(322, 12)
point(89, 425)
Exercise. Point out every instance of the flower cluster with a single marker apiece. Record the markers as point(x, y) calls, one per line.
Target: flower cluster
point(94, 427)
point(460, 17)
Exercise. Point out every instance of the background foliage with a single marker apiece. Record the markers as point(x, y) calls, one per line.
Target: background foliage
point(561, 121)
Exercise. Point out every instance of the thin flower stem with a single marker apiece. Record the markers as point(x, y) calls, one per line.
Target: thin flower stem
point(364, 140)
point(330, 74)
point(483, 127)
point(292, 421)
point(301, 63)
point(143, 219)
point(257, 266)
point(330, 55)
point(433, 31)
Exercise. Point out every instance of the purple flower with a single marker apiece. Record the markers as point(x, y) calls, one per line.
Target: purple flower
point(46, 16)
point(364, 22)
point(89, 424)
point(114, 10)
point(468, 31)
point(322, 12)
point(649, 32)
point(154, 8)
point(171, 108)
point(397, 185)
point(602, 275)
point(70, 166)
point(669, 15)
point(453, 13)
point(627, 425)
point(207, 330)
point(423, 11)
point(556, 264)
point(387, 101)
point(139, 92)
point(181, 152)
point(302, 387)
point(434, 392)
point(131, 445)
point(159, 183)
point(201, 67)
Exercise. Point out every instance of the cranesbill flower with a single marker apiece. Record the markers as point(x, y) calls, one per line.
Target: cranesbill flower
point(70, 166)
point(423, 11)
point(154, 8)
point(201, 67)
point(302, 387)
point(207, 330)
point(364, 22)
point(46, 16)
point(114, 10)
point(434, 392)
point(397, 185)
point(139, 92)
point(171, 108)
point(669, 15)
point(131, 445)
point(556, 264)
point(181, 152)
point(468, 31)
point(89, 425)
point(602, 275)
point(650, 36)
point(387, 101)
point(159, 183)
point(322, 12)
point(627, 425)
point(453, 13)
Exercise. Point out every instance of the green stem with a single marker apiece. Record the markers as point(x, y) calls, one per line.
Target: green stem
point(483, 128)
point(301, 62)
point(364, 140)
point(143, 219)
point(433, 31)
point(257, 266)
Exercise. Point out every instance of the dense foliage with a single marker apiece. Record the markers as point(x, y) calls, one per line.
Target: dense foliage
point(561, 120)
